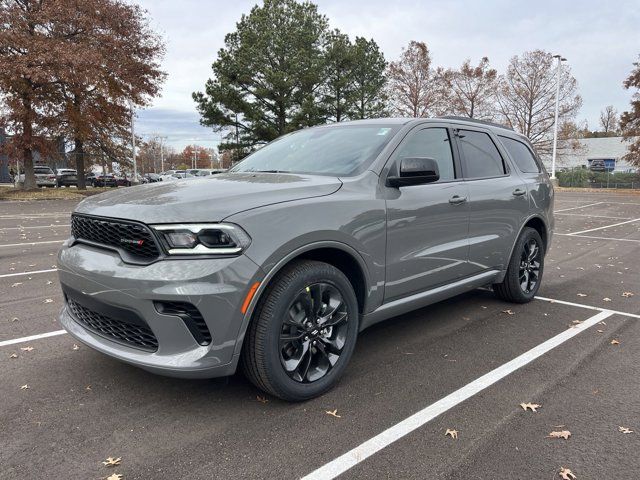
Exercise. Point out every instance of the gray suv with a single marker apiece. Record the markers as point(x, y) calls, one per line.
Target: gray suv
point(277, 264)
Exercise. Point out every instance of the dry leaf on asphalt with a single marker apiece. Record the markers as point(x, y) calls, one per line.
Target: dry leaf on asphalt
point(24, 387)
point(452, 433)
point(261, 399)
point(582, 294)
point(563, 434)
point(112, 462)
point(13, 355)
point(115, 476)
point(606, 299)
point(26, 349)
point(16, 284)
point(531, 406)
point(49, 282)
point(76, 347)
point(624, 430)
point(627, 294)
point(48, 300)
point(615, 342)
point(509, 312)
point(566, 474)
point(333, 413)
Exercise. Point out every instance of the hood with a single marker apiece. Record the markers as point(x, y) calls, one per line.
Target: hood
point(206, 199)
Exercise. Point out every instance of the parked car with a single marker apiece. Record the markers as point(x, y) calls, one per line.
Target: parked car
point(66, 177)
point(123, 181)
point(105, 180)
point(203, 172)
point(44, 176)
point(151, 178)
point(278, 264)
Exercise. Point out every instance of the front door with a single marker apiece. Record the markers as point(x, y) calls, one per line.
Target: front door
point(427, 225)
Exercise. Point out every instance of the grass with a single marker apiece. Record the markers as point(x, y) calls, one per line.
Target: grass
point(10, 193)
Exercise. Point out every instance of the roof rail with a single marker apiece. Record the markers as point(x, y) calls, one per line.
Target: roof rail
point(475, 120)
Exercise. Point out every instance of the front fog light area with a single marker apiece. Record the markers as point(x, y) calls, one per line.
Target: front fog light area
point(203, 238)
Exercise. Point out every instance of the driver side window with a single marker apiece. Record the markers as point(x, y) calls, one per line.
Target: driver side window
point(433, 143)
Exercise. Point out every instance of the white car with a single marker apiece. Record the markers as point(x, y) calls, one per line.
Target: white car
point(44, 176)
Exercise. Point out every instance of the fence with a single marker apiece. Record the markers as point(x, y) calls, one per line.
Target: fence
point(584, 178)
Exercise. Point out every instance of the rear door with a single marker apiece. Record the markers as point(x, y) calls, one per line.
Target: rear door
point(498, 201)
point(427, 224)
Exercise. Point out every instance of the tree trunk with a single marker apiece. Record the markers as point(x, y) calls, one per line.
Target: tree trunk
point(79, 151)
point(27, 152)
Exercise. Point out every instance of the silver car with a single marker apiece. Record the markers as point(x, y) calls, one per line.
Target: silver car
point(277, 264)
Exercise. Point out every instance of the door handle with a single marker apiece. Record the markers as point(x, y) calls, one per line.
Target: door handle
point(518, 192)
point(457, 200)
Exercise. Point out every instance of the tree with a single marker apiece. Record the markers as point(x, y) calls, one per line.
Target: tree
point(415, 89)
point(267, 76)
point(609, 119)
point(337, 89)
point(368, 97)
point(472, 90)
point(197, 156)
point(527, 94)
point(27, 79)
point(630, 120)
point(109, 60)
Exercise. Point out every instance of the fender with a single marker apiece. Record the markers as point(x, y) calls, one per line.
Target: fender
point(279, 265)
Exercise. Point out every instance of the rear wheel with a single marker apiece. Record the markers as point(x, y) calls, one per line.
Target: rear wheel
point(524, 273)
point(303, 332)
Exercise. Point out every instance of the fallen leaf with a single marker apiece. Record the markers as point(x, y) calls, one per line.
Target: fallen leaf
point(16, 284)
point(49, 282)
point(76, 347)
point(333, 413)
point(26, 349)
point(600, 331)
point(261, 399)
point(532, 406)
point(606, 299)
point(88, 387)
point(13, 355)
point(627, 294)
point(24, 387)
point(562, 434)
point(115, 476)
point(509, 312)
point(48, 300)
point(452, 433)
point(615, 342)
point(564, 473)
point(112, 462)
point(582, 294)
point(624, 430)
point(576, 322)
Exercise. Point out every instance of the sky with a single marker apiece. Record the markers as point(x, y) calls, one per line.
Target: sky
point(600, 40)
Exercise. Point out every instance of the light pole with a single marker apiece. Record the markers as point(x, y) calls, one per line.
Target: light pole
point(162, 138)
point(133, 144)
point(560, 59)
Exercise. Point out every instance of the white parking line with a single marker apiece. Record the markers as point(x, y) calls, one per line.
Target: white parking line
point(30, 243)
point(375, 444)
point(598, 238)
point(41, 226)
point(581, 206)
point(582, 215)
point(589, 307)
point(32, 337)
point(5, 275)
point(602, 228)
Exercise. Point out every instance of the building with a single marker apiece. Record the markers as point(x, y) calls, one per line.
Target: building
point(603, 154)
point(58, 160)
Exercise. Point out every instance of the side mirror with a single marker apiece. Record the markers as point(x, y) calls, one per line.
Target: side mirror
point(415, 171)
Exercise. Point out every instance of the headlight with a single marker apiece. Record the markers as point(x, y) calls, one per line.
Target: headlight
point(203, 238)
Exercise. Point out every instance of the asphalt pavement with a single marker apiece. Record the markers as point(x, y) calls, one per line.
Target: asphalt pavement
point(463, 365)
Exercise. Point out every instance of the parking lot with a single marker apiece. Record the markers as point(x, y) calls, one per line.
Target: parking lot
point(463, 365)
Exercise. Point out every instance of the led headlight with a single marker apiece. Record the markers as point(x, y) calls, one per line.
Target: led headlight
point(202, 238)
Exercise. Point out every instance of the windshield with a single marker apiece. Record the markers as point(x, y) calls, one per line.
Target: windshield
point(42, 170)
point(341, 150)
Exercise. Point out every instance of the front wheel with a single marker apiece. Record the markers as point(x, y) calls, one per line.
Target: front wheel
point(524, 273)
point(303, 332)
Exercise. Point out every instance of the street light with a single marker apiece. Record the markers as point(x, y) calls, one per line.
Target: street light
point(162, 138)
point(133, 144)
point(560, 59)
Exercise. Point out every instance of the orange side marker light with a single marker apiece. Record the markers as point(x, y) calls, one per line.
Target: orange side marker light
point(247, 300)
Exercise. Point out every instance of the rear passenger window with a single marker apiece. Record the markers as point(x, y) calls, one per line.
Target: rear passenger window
point(521, 154)
point(481, 157)
point(433, 143)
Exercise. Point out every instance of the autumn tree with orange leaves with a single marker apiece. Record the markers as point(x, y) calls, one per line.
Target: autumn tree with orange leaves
point(73, 69)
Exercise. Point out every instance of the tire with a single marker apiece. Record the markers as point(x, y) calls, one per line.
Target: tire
point(523, 269)
point(273, 347)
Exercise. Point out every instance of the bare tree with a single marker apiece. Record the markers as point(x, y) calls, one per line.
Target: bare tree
point(472, 90)
point(609, 119)
point(527, 94)
point(415, 89)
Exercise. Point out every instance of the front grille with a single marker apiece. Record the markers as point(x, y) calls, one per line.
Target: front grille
point(191, 317)
point(139, 336)
point(134, 239)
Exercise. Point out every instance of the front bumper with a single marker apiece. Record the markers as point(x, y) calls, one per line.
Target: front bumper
point(216, 287)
